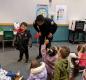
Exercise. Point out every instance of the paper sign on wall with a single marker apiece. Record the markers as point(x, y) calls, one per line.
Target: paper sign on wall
point(61, 14)
point(42, 9)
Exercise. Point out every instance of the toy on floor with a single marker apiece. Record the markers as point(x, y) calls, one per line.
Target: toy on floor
point(18, 76)
point(3, 74)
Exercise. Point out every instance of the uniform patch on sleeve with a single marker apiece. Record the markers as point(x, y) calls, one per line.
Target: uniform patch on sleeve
point(52, 22)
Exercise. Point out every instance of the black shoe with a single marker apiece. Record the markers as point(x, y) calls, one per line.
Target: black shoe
point(19, 60)
point(26, 61)
point(38, 57)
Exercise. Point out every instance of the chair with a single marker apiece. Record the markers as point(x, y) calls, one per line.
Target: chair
point(7, 36)
point(76, 29)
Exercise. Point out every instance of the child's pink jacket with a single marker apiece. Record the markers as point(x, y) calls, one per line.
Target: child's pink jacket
point(49, 61)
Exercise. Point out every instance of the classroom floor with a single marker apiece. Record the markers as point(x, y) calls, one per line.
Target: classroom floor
point(9, 58)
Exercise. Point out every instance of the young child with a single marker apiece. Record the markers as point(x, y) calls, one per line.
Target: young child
point(74, 67)
point(76, 61)
point(37, 71)
point(79, 49)
point(49, 57)
point(23, 38)
point(82, 56)
point(61, 71)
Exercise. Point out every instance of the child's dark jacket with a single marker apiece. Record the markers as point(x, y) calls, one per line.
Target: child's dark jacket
point(22, 40)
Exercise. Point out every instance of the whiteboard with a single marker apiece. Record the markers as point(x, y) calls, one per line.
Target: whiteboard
point(25, 10)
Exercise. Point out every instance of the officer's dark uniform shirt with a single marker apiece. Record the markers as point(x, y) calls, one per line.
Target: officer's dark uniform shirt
point(49, 26)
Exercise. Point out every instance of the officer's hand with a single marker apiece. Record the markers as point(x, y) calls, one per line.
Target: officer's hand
point(46, 42)
point(39, 33)
point(50, 35)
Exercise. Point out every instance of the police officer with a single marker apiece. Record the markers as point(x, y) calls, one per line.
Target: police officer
point(46, 28)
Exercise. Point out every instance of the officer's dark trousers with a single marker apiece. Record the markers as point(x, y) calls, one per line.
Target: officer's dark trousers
point(41, 42)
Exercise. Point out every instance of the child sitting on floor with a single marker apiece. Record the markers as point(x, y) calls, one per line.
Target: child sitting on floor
point(78, 61)
point(74, 68)
point(37, 71)
point(82, 56)
point(49, 56)
point(62, 67)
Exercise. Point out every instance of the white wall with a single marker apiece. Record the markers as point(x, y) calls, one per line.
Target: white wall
point(76, 8)
point(24, 10)
point(18, 10)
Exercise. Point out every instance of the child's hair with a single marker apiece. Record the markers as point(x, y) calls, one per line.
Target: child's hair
point(81, 48)
point(64, 52)
point(34, 64)
point(52, 51)
point(85, 46)
point(24, 23)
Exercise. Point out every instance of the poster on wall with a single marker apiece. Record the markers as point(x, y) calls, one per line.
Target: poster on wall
point(61, 14)
point(42, 9)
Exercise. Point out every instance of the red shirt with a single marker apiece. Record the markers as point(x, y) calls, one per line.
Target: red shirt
point(82, 60)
